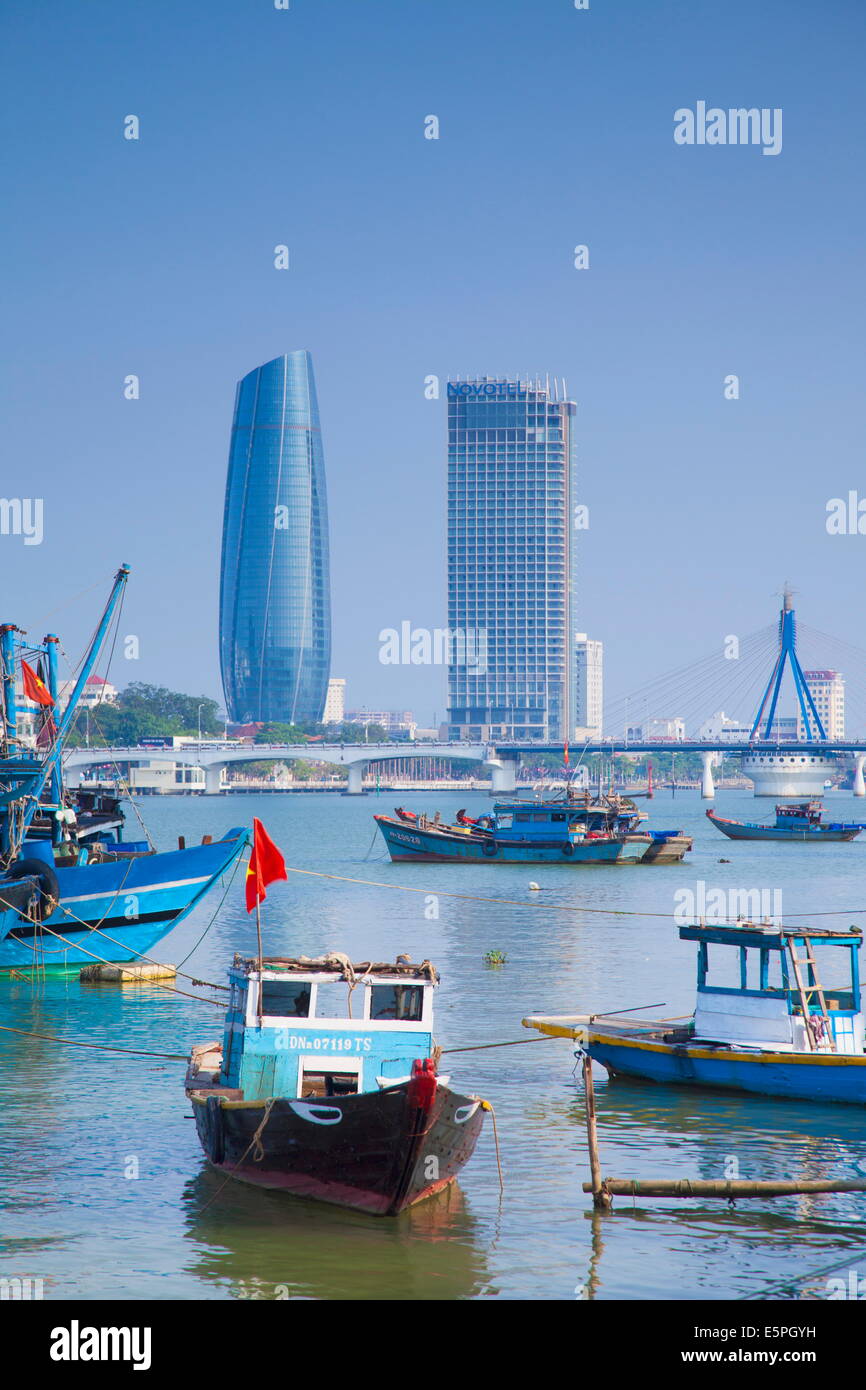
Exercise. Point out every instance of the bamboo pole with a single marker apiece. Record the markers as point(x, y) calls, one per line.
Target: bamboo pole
point(600, 1197)
point(689, 1187)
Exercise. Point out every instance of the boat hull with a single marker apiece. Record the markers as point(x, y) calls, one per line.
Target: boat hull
point(744, 830)
point(667, 848)
point(378, 1152)
point(793, 1076)
point(411, 844)
point(117, 910)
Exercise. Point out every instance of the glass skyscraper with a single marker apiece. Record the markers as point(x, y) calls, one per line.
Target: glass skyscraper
point(510, 570)
point(275, 607)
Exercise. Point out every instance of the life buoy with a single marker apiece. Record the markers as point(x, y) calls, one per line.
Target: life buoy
point(49, 887)
point(489, 850)
point(568, 849)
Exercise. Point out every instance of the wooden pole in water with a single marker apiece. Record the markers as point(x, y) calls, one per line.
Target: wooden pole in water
point(600, 1197)
point(740, 1187)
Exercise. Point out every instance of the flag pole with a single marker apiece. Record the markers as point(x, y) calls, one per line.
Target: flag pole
point(261, 966)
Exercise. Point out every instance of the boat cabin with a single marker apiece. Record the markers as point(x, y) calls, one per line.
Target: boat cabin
point(325, 1027)
point(787, 988)
point(570, 818)
point(799, 815)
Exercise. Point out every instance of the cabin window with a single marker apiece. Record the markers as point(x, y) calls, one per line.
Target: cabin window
point(404, 1003)
point(328, 1083)
point(521, 819)
point(558, 816)
point(542, 816)
point(286, 998)
point(503, 822)
point(334, 999)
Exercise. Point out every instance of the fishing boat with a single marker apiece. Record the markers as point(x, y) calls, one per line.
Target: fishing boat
point(574, 829)
point(779, 1032)
point(800, 820)
point(72, 890)
point(326, 1086)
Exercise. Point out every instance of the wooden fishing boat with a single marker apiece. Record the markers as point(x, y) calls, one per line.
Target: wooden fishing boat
point(326, 1085)
point(574, 829)
point(781, 1032)
point(801, 821)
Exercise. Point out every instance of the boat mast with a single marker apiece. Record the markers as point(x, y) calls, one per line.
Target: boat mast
point(51, 643)
point(10, 704)
point(51, 766)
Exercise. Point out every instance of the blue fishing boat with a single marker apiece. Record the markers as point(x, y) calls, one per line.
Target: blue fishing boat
point(801, 821)
point(72, 890)
point(572, 829)
point(326, 1084)
point(781, 1031)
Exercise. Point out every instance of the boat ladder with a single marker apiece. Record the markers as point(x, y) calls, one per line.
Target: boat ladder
point(816, 1031)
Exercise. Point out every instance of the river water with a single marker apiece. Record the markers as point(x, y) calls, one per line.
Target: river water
point(104, 1192)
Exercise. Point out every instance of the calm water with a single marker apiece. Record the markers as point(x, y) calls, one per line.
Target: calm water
point(75, 1123)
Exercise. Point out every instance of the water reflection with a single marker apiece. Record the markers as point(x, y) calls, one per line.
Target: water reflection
point(270, 1246)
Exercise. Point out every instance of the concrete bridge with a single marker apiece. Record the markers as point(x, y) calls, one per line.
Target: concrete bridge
point(771, 765)
point(212, 757)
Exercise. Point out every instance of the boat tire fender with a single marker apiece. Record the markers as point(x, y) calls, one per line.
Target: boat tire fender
point(568, 849)
point(489, 850)
point(49, 887)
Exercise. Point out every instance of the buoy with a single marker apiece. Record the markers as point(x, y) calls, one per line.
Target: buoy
point(125, 974)
point(535, 887)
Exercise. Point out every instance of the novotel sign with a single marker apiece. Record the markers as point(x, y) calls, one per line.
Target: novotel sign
point(488, 390)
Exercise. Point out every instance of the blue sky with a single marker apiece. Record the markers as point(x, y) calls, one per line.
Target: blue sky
point(410, 257)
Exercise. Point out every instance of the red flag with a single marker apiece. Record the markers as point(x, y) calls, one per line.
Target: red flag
point(266, 865)
point(565, 751)
point(34, 686)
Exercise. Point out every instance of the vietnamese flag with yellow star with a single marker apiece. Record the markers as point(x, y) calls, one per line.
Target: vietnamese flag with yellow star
point(34, 686)
point(266, 866)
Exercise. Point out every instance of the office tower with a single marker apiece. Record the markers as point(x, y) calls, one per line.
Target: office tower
point(510, 539)
point(588, 687)
point(275, 612)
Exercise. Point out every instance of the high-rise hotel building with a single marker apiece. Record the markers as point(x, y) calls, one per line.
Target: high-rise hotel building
point(510, 540)
point(275, 607)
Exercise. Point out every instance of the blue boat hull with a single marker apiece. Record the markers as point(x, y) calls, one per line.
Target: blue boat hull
point(410, 844)
point(117, 910)
point(801, 1076)
point(748, 830)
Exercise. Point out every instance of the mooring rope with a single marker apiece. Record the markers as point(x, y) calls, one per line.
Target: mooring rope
point(541, 907)
point(102, 1047)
